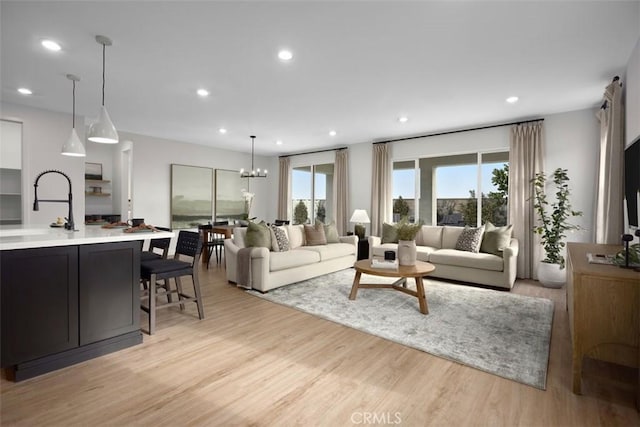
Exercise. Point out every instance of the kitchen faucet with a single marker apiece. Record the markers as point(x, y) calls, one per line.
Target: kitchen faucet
point(69, 224)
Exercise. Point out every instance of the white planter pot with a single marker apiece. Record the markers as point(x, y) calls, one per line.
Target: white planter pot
point(551, 276)
point(407, 253)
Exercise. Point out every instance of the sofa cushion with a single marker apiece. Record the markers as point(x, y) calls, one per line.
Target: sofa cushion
point(450, 236)
point(495, 239)
point(293, 258)
point(430, 235)
point(389, 233)
point(258, 235)
point(314, 234)
point(332, 250)
point(467, 259)
point(470, 239)
point(279, 239)
point(331, 233)
point(296, 235)
point(239, 233)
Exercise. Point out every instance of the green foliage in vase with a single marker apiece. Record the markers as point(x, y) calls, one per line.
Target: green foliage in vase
point(408, 230)
point(553, 223)
point(300, 213)
point(634, 256)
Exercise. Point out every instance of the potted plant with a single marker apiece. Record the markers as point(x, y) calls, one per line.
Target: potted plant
point(553, 223)
point(407, 241)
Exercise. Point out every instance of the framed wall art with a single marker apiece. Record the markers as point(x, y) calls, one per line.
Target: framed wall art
point(191, 196)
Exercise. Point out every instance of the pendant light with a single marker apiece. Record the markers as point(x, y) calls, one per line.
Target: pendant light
point(253, 173)
point(73, 147)
point(103, 130)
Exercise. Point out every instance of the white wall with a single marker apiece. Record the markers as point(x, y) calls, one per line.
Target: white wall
point(43, 134)
point(152, 159)
point(632, 95)
point(571, 141)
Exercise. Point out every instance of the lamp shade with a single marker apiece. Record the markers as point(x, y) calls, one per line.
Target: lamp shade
point(103, 131)
point(74, 147)
point(360, 216)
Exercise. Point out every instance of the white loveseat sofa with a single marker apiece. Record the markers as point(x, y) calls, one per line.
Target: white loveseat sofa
point(436, 245)
point(271, 269)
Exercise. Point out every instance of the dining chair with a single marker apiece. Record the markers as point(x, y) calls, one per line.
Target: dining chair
point(188, 246)
point(217, 240)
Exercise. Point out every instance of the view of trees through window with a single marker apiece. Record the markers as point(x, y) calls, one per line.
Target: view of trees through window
point(448, 190)
point(312, 190)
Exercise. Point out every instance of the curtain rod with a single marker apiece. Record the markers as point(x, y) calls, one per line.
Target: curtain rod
point(312, 152)
point(459, 130)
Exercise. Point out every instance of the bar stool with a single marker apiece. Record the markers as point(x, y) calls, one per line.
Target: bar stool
point(189, 245)
point(160, 244)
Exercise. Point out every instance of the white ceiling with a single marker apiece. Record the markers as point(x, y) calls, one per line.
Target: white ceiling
point(357, 67)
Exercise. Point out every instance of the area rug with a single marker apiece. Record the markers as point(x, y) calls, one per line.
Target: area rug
point(495, 331)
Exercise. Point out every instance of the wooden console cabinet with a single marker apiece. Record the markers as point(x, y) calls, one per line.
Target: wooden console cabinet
point(604, 310)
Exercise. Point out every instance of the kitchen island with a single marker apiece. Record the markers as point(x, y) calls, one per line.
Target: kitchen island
point(67, 296)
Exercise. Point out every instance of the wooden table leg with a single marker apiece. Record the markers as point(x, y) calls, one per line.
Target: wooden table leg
point(354, 288)
point(422, 298)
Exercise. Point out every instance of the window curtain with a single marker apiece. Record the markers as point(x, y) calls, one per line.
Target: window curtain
point(525, 160)
point(283, 188)
point(609, 196)
point(341, 191)
point(380, 188)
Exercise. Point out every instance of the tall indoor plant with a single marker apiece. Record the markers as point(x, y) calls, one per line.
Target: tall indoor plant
point(553, 223)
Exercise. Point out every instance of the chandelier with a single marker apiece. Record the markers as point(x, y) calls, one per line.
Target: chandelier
point(253, 173)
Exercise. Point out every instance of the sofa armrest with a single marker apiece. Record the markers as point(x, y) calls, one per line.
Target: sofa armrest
point(510, 257)
point(353, 240)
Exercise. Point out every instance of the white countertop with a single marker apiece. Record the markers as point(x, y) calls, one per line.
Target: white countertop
point(40, 236)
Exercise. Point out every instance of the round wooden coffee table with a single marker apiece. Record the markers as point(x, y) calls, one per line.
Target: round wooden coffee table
point(403, 272)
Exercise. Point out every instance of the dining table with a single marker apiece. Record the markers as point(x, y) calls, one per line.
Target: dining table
point(226, 230)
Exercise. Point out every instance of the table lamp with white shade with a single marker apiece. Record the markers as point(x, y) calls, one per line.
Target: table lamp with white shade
point(360, 217)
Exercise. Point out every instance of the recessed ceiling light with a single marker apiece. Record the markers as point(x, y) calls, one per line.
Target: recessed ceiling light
point(51, 45)
point(285, 55)
point(512, 99)
point(222, 130)
point(332, 133)
point(278, 142)
point(403, 119)
point(203, 92)
point(24, 91)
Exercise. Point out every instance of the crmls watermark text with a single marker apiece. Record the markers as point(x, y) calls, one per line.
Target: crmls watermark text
point(376, 418)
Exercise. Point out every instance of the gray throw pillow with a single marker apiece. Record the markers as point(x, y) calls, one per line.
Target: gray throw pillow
point(389, 233)
point(470, 239)
point(314, 234)
point(495, 239)
point(331, 233)
point(279, 240)
point(258, 235)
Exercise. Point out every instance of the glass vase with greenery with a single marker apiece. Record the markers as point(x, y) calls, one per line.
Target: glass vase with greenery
point(553, 218)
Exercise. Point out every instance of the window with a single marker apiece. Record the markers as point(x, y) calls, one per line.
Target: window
point(447, 190)
point(312, 193)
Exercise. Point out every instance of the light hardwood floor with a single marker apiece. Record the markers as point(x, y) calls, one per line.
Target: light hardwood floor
point(253, 362)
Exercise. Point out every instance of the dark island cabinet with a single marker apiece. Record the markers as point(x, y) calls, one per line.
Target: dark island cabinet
point(39, 302)
point(109, 304)
point(63, 305)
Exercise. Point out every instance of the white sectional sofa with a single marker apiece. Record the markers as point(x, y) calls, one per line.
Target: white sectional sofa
point(271, 269)
point(436, 245)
